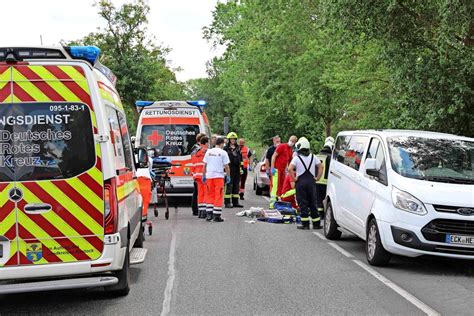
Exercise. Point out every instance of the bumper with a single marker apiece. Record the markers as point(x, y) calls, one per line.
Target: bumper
point(111, 260)
point(407, 240)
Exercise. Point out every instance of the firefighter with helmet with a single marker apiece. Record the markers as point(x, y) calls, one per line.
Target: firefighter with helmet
point(325, 157)
point(308, 169)
point(231, 197)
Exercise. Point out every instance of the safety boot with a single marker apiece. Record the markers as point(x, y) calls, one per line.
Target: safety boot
point(235, 202)
point(227, 203)
point(241, 196)
point(317, 225)
point(304, 225)
point(202, 214)
point(209, 216)
point(218, 218)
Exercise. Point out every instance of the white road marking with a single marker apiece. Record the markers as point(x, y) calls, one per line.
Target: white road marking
point(341, 250)
point(320, 235)
point(266, 198)
point(171, 276)
point(409, 297)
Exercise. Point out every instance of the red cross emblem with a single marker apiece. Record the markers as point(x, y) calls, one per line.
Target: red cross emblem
point(155, 138)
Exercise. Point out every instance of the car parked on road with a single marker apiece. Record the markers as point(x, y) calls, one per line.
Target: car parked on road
point(261, 182)
point(404, 192)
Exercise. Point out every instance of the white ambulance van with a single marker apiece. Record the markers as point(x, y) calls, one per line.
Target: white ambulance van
point(170, 129)
point(70, 208)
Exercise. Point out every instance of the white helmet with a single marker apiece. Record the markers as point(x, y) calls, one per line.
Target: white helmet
point(302, 143)
point(329, 142)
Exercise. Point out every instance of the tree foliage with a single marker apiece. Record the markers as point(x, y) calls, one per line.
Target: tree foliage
point(315, 67)
point(128, 50)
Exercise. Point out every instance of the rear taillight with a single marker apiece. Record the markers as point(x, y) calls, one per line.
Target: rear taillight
point(111, 207)
point(263, 168)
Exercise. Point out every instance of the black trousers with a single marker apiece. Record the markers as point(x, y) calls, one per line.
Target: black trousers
point(306, 197)
point(194, 202)
point(232, 189)
point(243, 179)
point(320, 195)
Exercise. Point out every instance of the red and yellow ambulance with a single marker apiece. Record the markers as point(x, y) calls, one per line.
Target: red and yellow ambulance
point(170, 129)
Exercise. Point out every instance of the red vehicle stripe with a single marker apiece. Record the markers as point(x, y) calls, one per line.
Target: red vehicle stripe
point(11, 233)
point(47, 254)
point(61, 211)
point(80, 200)
point(70, 83)
point(40, 83)
point(92, 184)
point(21, 94)
point(6, 209)
point(5, 92)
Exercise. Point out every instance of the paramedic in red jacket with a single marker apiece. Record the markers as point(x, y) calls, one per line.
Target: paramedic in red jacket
point(198, 166)
point(246, 155)
point(280, 161)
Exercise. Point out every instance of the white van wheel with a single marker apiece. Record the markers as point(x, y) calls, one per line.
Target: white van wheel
point(375, 252)
point(122, 288)
point(330, 226)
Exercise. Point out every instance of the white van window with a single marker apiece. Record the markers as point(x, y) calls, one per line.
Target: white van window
point(353, 151)
point(169, 140)
point(341, 146)
point(45, 141)
point(431, 159)
point(376, 151)
point(116, 137)
point(127, 144)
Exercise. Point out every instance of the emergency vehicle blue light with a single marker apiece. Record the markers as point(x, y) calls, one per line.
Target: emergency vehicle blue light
point(197, 103)
point(142, 104)
point(89, 53)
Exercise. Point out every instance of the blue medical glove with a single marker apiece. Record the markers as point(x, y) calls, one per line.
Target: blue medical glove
point(204, 179)
point(227, 179)
point(274, 171)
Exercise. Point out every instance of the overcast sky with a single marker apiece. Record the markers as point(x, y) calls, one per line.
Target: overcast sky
point(176, 24)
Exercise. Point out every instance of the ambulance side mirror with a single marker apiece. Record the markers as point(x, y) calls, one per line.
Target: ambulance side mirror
point(142, 158)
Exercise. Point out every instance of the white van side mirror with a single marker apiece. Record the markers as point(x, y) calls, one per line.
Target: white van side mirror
point(142, 155)
point(371, 167)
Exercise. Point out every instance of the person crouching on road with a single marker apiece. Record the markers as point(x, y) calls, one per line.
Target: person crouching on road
point(198, 167)
point(325, 157)
point(289, 192)
point(194, 149)
point(144, 177)
point(216, 173)
point(308, 168)
point(235, 156)
point(246, 155)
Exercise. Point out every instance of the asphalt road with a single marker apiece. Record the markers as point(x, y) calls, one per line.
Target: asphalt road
point(237, 268)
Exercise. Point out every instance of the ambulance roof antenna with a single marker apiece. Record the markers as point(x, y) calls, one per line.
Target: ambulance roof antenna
point(41, 39)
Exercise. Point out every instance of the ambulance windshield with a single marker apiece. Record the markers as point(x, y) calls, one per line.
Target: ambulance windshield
point(169, 140)
point(44, 141)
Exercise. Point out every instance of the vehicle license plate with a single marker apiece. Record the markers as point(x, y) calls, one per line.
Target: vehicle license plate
point(459, 239)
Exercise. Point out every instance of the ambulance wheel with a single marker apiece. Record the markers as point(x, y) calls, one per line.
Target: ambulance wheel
point(258, 190)
point(140, 239)
point(374, 250)
point(122, 288)
point(330, 226)
point(155, 210)
point(150, 230)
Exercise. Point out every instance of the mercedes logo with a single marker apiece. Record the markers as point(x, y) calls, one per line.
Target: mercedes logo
point(15, 194)
point(465, 211)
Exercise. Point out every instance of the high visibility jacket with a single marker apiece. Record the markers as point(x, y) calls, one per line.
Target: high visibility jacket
point(197, 164)
point(244, 150)
point(325, 158)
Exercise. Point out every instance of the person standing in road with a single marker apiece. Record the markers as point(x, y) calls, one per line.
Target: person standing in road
point(308, 168)
point(231, 197)
point(280, 161)
point(194, 201)
point(325, 157)
point(246, 155)
point(216, 172)
point(268, 159)
point(198, 166)
point(144, 177)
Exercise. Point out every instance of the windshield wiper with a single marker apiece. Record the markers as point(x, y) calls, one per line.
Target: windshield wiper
point(449, 179)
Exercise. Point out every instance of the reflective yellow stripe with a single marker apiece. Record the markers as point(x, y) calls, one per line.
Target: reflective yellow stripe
point(317, 219)
point(124, 190)
point(75, 75)
point(8, 222)
point(6, 75)
point(322, 180)
point(87, 193)
point(35, 230)
point(55, 84)
point(72, 207)
point(305, 219)
point(15, 99)
point(227, 196)
point(289, 193)
point(4, 196)
point(96, 175)
point(30, 88)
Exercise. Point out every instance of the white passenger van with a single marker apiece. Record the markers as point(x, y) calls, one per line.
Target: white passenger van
point(170, 129)
point(404, 192)
point(70, 208)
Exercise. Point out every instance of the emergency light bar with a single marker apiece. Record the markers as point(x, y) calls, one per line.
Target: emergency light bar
point(197, 103)
point(142, 104)
point(87, 53)
point(13, 54)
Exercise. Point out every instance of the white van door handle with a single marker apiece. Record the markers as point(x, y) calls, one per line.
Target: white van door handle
point(37, 208)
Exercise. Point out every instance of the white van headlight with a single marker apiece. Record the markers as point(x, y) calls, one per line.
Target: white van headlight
point(407, 202)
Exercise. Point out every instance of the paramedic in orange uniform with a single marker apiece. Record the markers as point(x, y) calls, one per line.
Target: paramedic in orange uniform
point(145, 183)
point(198, 166)
point(215, 174)
point(246, 155)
